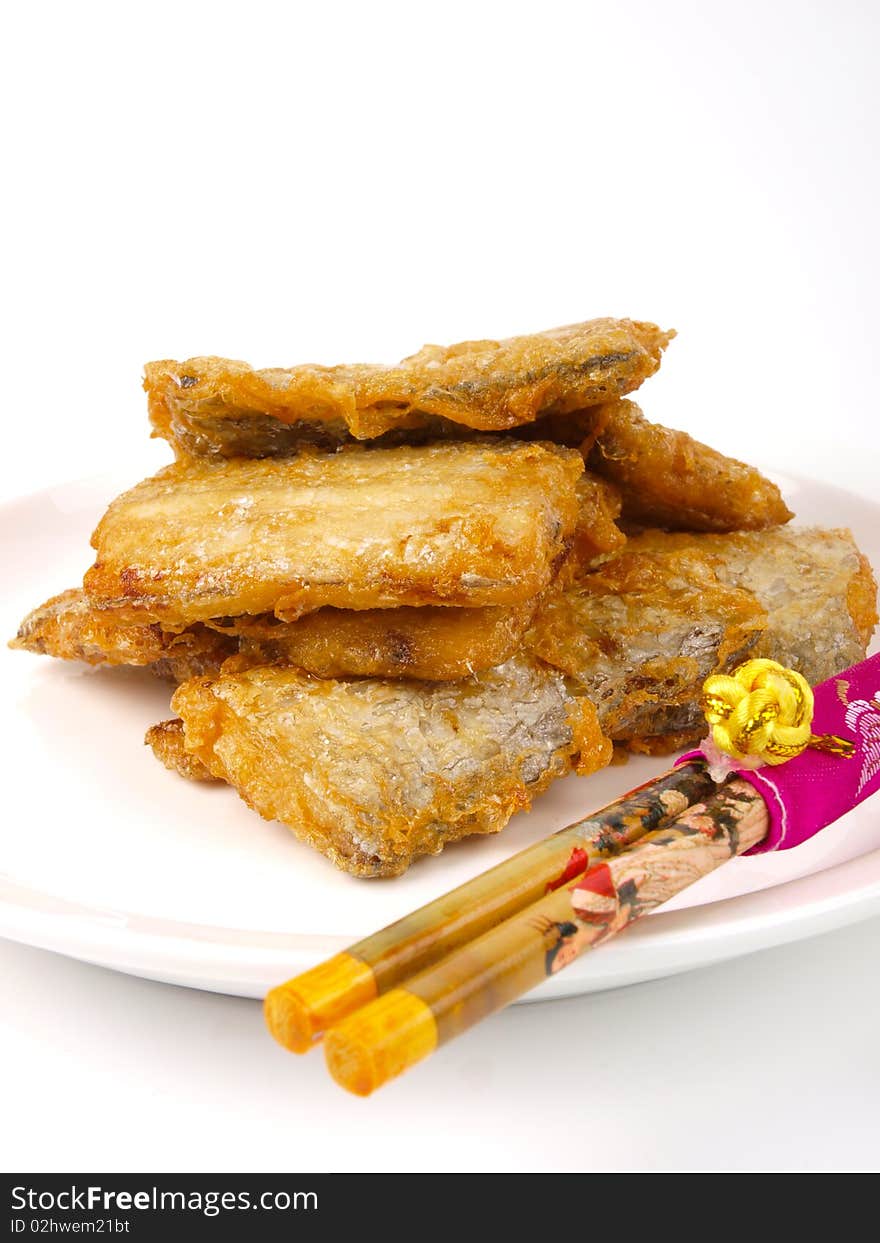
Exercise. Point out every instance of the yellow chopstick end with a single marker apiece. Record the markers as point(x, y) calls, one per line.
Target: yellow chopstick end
point(299, 1011)
point(380, 1042)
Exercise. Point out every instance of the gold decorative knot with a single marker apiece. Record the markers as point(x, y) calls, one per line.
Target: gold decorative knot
point(764, 712)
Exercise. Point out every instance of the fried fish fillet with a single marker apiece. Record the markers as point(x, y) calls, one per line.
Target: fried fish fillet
point(467, 524)
point(215, 406)
point(670, 480)
point(436, 644)
point(167, 743)
point(640, 635)
point(70, 627)
point(430, 643)
point(596, 531)
point(374, 773)
point(817, 587)
point(433, 644)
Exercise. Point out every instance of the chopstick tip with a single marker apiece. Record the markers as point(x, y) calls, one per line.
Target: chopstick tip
point(380, 1041)
point(288, 1021)
point(299, 1011)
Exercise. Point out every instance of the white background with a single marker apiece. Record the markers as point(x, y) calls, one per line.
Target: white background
point(287, 183)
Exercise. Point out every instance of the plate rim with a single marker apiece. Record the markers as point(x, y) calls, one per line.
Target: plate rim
point(206, 956)
point(191, 954)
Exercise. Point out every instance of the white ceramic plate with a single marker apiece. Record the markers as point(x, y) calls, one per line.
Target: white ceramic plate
point(106, 857)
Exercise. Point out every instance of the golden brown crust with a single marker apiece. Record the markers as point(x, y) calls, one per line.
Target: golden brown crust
point(69, 627)
point(374, 773)
point(434, 644)
point(166, 741)
point(596, 533)
point(861, 599)
point(207, 406)
point(670, 480)
point(449, 524)
point(641, 634)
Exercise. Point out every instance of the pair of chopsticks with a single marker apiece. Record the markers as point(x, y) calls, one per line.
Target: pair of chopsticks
point(392, 999)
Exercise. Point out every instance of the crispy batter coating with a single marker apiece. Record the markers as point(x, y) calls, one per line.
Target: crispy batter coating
point(430, 643)
point(374, 773)
point(433, 644)
point(450, 524)
point(436, 644)
point(596, 532)
point(817, 586)
point(670, 480)
point(166, 740)
point(641, 634)
point(70, 627)
point(209, 406)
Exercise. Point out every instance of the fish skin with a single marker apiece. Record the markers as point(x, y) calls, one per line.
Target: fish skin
point(446, 759)
point(450, 524)
point(69, 627)
point(667, 479)
point(215, 406)
point(641, 634)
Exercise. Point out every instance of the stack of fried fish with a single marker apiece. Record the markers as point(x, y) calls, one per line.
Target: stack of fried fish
point(400, 601)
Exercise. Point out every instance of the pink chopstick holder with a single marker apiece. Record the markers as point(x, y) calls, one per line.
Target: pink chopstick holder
point(814, 789)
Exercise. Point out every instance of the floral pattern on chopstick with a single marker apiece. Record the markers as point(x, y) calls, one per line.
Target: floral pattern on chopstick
point(620, 825)
point(613, 894)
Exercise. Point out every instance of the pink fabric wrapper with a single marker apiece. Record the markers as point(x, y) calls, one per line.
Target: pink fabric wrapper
point(813, 790)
